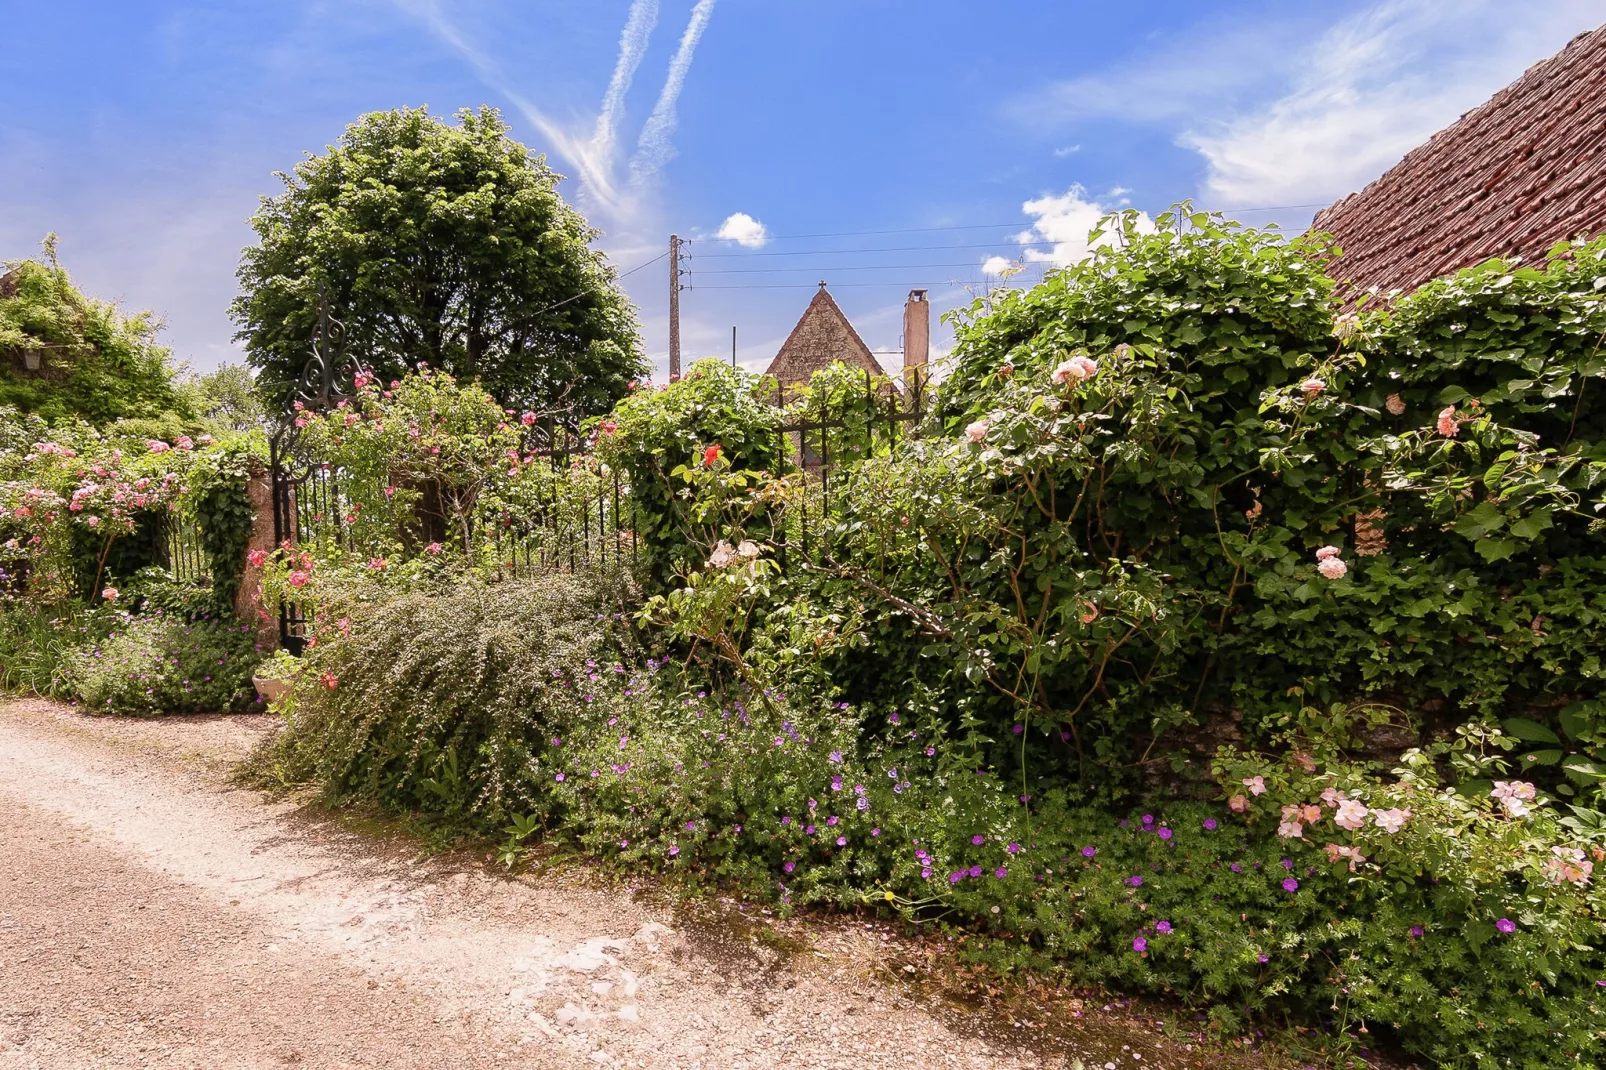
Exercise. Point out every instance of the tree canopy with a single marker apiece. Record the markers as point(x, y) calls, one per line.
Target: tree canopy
point(439, 244)
point(65, 355)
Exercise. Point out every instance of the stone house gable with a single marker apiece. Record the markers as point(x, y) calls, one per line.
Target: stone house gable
point(822, 337)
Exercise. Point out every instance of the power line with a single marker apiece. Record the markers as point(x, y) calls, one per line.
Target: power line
point(977, 226)
point(582, 293)
point(882, 249)
point(834, 285)
point(816, 269)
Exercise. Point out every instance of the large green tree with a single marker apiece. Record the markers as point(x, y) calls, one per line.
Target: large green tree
point(63, 354)
point(441, 244)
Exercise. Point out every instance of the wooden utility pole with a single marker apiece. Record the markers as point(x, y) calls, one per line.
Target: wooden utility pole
point(733, 347)
point(674, 307)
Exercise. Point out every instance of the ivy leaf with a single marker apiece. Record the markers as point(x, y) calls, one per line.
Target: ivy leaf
point(1480, 521)
point(1529, 731)
point(1530, 526)
point(1493, 550)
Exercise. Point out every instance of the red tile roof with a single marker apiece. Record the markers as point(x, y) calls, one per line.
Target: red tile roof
point(1510, 179)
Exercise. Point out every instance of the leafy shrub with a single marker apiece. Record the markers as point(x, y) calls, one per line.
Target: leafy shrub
point(158, 663)
point(448, 703)
point(103, 364)
point(217, 497)
point(656, 437)
point(1213, 511)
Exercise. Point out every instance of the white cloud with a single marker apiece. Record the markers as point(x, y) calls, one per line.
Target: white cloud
point(1287, 111)
point(1373, 87)
point(1067, 221)
point(1166, 80)
point(654, 148)
point(996, 265)
point(744, 230)
point(1066, 150)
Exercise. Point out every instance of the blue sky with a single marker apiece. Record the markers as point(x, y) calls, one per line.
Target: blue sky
point(143, 132)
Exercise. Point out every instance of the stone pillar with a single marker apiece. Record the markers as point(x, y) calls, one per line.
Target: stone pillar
point(248, 603)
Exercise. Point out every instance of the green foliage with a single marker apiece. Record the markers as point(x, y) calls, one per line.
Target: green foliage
point(82, 509)
point(226, 399)
point(217, 496)
point(1114, 543)
point(445, 245)
point(37, 643)
point(94, 362)
point(157, 663)
point(661, 438)
point(449, 703)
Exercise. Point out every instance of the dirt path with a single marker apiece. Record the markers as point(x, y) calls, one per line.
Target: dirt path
point(151, 915)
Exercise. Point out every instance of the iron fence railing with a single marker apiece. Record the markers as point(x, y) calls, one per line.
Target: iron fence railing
point(182, 549)
point(584, 514)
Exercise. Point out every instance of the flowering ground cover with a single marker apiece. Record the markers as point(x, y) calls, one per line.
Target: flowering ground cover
point(1387, 907)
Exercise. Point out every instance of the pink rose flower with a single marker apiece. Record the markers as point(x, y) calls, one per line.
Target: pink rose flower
point(1351, 815)
point(1390, 821)
point(1447, 423)
point(1333, 568)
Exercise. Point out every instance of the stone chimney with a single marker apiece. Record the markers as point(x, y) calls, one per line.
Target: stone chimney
point(916, 335)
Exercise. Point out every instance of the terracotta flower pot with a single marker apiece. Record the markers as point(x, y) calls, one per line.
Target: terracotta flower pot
point(270, 689)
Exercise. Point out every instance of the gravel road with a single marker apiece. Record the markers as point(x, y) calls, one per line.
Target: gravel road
point(152, 914)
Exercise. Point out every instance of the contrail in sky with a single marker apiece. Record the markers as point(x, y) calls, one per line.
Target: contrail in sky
point(654, 149)
point(596, 178)
point(632, 46)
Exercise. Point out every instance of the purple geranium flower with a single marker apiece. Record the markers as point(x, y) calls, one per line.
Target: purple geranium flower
point(1089, 852)
point(978, 839)
point(1506, 925)
point(1290, 884)
point(1162, 927)
point(1210, 824)
point(1140, 945)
